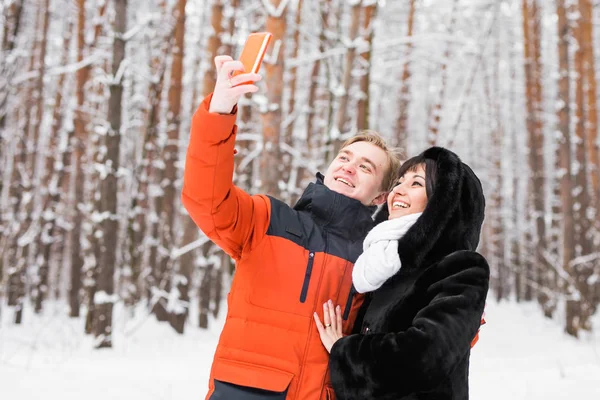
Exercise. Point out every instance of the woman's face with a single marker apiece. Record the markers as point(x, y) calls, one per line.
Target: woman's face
point(409, 195)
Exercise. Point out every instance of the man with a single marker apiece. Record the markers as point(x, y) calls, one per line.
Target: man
point(288, 261)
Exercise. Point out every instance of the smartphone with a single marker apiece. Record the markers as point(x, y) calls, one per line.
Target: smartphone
point(253, 52)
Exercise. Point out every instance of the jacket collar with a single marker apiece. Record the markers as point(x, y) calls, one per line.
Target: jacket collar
point(336, 213)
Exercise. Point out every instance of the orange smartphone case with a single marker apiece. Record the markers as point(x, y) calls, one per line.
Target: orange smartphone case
point(253, 52)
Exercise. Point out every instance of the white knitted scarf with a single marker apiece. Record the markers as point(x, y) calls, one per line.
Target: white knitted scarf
point(380, 259)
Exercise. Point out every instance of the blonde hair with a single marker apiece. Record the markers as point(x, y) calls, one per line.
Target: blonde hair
point(394, 155)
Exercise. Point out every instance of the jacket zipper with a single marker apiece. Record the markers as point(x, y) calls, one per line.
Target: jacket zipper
point(349, 303)
point(309, 266)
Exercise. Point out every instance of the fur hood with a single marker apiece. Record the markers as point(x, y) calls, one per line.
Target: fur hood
point(452, 218)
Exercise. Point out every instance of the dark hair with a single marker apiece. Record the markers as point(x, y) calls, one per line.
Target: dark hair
point(430, 167)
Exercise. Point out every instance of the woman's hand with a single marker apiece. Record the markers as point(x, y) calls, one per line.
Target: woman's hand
point(228, 89)
point(332, 331)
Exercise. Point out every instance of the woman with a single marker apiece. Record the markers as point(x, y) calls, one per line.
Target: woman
point(427, 289)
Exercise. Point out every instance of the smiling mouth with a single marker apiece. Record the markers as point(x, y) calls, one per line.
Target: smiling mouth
point(345, 182)
point(399, 204)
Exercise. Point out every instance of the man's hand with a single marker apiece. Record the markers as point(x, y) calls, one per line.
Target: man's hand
point(332, 331)
point(227, 92)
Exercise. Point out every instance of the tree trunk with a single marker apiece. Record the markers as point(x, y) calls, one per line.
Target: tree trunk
point(564, 159)
point(214, 43)
point(27, 227)
point(402, 121)
point(293, 73)
point(184, 276)
point(164, 176)
point(341, 118)
point(315, 100)
point(436, 113)
point(545, 268)
point(529, 101)
point(171, 155)
point(212, 47)
point(80, 124)
point(226, 265)
point(537, 232)
point(15, 194)
point(140, 224)
point(12, 23)
point(271, 166)
point(154, 171)
point(581, 199)
point(516, 216)
point(52, 187)
point(141, 220)
point(204, 293)
point(587, 43)
point(497, 200)
point(79, 145)
point(33, 215)
point(289, 175)
point(63, 201)
point(96, 104)
point(105, 296)
point(362, 107)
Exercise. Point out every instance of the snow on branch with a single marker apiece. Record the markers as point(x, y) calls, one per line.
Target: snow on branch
point(298, 158)
point(588, 258)
point(296, 62)
point(275, 12)
point(176, 253)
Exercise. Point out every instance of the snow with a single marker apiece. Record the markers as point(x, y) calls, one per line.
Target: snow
point(520, 355)
point(50, 358)
point(101, 297)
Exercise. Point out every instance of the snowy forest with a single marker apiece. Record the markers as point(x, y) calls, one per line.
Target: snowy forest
point(96, 99)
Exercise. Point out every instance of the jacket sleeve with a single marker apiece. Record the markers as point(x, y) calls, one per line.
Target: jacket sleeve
point(425, 354)
point(230, 217)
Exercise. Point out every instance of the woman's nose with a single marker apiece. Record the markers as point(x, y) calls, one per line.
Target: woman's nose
point(398, 189)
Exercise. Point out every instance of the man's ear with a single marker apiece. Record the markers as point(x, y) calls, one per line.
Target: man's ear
point(380, 199)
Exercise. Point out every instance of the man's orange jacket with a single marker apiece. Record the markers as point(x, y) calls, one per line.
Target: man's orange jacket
point(288, 263)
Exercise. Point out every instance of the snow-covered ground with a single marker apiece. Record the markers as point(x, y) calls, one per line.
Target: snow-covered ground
point(520, 355)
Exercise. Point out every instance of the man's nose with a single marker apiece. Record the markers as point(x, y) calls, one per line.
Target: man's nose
point(349, 168)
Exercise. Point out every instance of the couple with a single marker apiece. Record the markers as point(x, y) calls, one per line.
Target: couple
point(328, 302)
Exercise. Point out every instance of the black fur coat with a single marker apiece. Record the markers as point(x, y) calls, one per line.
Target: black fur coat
point(414, 342)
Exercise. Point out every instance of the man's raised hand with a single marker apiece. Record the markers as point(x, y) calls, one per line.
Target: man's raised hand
point(228, 89)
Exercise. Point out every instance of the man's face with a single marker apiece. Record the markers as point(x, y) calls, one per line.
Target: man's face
point(357, 172)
